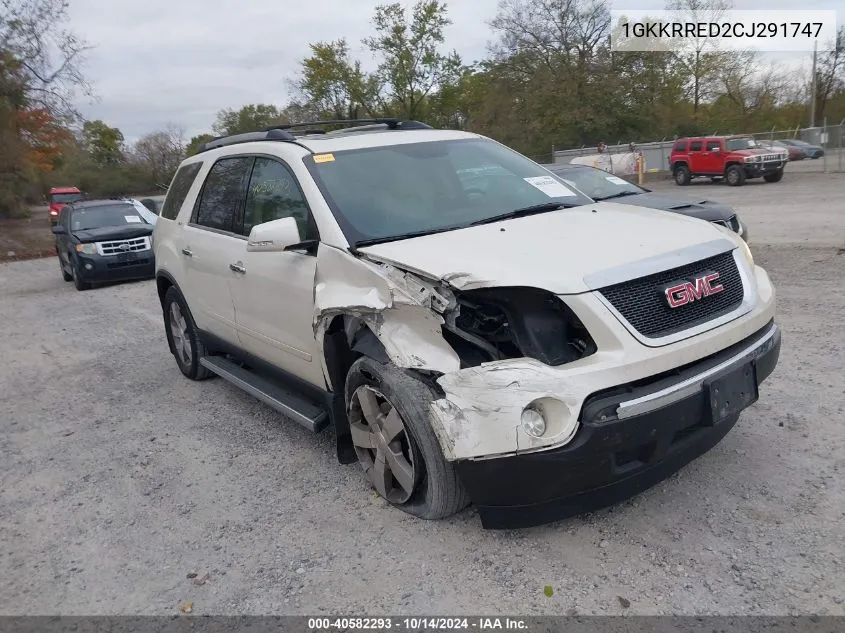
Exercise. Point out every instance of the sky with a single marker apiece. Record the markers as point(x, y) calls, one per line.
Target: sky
point(155, 63)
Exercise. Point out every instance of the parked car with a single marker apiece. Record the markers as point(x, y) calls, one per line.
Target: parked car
point(103, 240)
point(59, 197)
point(496, 342)
point(601, 187)
point(150, 217)
point(813, 151)
point(793, 152)
point(153, 203)
point(735, 158)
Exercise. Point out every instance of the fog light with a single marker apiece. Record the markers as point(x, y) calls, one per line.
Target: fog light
point(88, 267)
point(533, 422)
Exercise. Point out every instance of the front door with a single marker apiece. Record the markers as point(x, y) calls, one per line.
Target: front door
point(274, 292)
point(210, 244)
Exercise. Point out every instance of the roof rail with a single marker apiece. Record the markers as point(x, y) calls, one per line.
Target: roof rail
point(282, 132)
point(391, 123)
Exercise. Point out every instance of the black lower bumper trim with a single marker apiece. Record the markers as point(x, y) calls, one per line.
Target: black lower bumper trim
point(612, 459)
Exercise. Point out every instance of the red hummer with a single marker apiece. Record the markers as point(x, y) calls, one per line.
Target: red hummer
point(59, 197)
point(733, 158)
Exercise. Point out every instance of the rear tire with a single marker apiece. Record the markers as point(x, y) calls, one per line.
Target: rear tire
point(735, 176)
point(183, 337)
point(682, 175)
point(775, 177)
point(389, 420)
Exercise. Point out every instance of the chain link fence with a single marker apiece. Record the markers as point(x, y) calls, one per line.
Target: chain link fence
point(830, 157)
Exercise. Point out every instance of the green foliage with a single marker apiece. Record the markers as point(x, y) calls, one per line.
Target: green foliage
point(195, 143)
point(103, 143)
point(250, 118)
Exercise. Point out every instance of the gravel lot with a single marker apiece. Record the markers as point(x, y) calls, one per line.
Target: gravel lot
point(119, 478)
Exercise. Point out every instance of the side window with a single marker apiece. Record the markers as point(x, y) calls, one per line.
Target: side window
point(274, 194)
point(711, 145)
point(695, 146)
point(178, 190)
point(223, 193)
point(680, 146)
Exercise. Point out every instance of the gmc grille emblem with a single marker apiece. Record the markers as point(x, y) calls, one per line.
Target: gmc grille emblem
point(681, 293)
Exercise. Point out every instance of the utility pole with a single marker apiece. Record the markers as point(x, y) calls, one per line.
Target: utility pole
point(813, 89)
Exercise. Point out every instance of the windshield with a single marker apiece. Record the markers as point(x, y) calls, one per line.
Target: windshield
point(741, 143)
point(107, 215)
point(392, 191)
point(597, 184)
point(65, 198)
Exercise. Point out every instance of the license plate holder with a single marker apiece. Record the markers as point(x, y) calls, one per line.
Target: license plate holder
point(125, 257)
point(731, 392)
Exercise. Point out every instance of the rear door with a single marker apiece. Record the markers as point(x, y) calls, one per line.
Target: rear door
point(211, 243)
point(696, 157)
point(274, 292)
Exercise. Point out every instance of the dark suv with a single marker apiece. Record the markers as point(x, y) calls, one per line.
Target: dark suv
point(103, 240)
point(734, 158)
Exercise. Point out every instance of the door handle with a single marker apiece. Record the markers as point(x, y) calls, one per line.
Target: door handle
point(237, 268)
point(188, 252)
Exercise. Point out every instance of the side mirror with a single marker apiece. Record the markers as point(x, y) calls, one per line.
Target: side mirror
point(273, 236)
point(59, 229)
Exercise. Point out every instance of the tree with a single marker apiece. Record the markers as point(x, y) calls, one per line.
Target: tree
point(195, 143)
point(335, 86)
point(249, 118)
point(830, 74)
point(160, 153)
point(103, 143)
point(412, 65)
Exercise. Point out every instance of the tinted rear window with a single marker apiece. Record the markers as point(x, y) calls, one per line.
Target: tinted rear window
point(178, 190)
point(64, 198)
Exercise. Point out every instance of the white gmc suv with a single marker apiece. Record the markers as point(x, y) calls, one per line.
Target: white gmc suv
point(473, 327)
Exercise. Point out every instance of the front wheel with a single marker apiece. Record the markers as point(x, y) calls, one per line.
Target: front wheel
point(775, 177)
point(735, 176)
point(182, 336)
point(77, 277)
point(389, 421)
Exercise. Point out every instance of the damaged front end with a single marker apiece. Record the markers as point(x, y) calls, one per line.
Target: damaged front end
point(483, 348)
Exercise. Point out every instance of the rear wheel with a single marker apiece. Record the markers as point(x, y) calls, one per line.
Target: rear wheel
point(183, 337)
point(775, 177)
point(682, 175)
point(395, 444)
point(735, 176)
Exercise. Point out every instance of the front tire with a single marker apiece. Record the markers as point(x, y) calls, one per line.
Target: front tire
point(77, 277)
point(682, 175)
point(735, 176)
point(182, 336)
point(389, 420)
point(775, 177)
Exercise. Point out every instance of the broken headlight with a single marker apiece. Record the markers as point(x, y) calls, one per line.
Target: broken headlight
point(499, 323)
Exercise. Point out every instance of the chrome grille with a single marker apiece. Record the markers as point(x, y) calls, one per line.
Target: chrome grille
point(116, 247)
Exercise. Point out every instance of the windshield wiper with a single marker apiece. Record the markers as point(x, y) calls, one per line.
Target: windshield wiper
point(521, 213)
point(404, 236)
point(618, 195)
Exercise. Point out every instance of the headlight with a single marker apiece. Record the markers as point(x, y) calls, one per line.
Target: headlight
point(87, 249)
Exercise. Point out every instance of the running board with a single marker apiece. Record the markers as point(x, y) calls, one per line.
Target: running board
point(304, 412)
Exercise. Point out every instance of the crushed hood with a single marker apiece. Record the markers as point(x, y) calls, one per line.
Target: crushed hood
point(563, 251)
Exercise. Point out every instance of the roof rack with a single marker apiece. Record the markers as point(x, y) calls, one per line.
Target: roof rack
point(281, 132)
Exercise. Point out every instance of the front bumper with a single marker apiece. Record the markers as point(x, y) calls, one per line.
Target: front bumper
point(123, 267)
point(754, 170)
point(630, 438)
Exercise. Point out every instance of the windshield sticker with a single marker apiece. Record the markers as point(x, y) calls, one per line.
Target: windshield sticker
point(323, 158)
point(132, 219)
point(550, 186)
point(616, 180)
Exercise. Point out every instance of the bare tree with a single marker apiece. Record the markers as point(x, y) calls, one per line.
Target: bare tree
point(830, 74)
point(160, 153)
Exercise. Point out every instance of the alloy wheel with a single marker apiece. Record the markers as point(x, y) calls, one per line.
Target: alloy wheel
point(179, 332)
point(382, 444)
